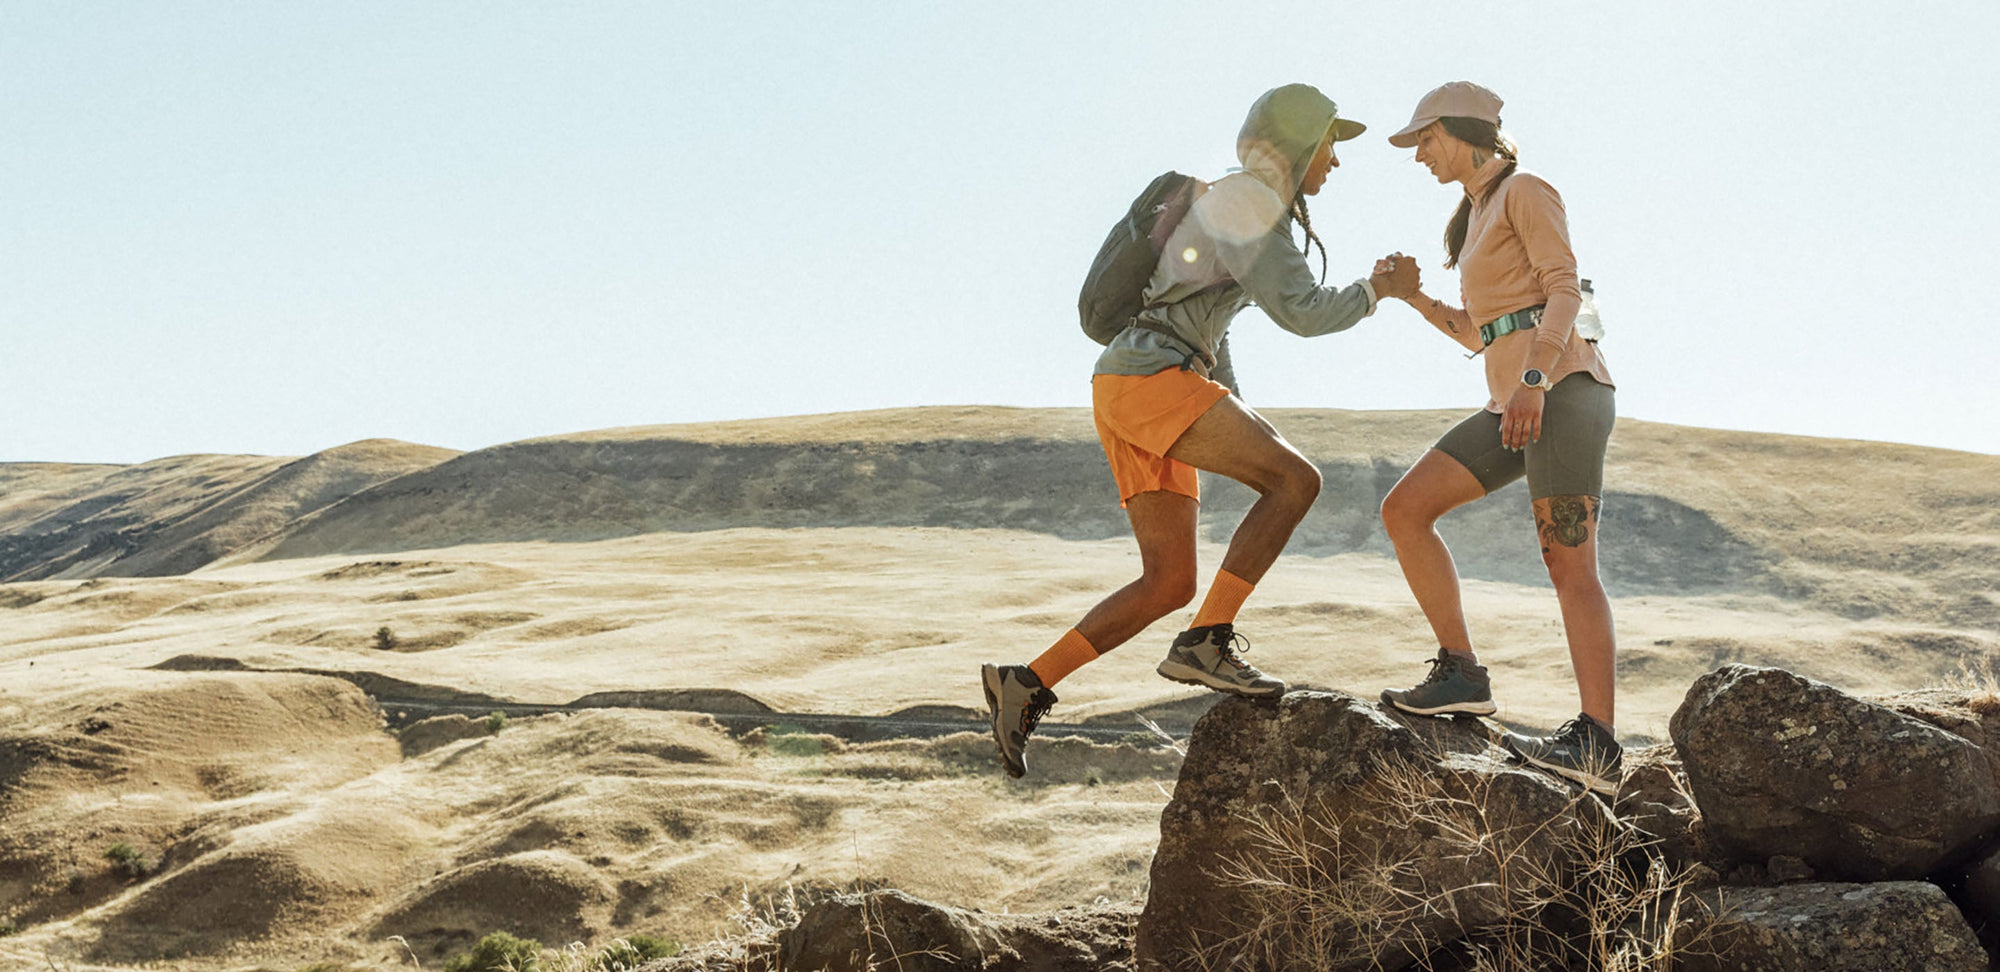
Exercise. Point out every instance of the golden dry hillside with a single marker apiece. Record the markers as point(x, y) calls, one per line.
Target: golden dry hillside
point(171, 516)
point(1864, 528)
point(774, 629)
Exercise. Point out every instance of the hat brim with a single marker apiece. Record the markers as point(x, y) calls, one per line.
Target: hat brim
point(1346, 128)
point(1407, 138)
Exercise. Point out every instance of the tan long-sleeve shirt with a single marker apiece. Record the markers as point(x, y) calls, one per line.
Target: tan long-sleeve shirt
point(1516, 256)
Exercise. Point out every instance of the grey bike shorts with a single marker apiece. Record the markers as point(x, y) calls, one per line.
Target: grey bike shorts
point(1568, 460)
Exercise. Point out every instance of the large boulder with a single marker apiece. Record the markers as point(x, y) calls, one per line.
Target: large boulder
point(1319, 831)
point(1902, 926)
point(1784, 765)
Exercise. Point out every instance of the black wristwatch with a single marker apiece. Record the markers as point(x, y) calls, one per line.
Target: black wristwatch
point(1533, 378)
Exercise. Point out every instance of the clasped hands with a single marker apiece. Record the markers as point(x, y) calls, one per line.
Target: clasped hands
point(1396, 276)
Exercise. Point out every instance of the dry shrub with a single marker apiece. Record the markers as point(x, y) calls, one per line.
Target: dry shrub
point(621, 955)
point(1576, 891)
point(1980, 679)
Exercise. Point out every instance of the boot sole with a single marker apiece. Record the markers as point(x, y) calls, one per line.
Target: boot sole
point(1456, 708)
point(989, 678)
point(1590, 781)
point(1195, 676)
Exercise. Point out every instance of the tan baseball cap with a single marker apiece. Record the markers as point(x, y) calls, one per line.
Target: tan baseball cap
point(1453, 99)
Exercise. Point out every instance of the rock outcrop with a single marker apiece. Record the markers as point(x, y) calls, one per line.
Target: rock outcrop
point(1900, 926)
point(1355, 813)
point(1319, 831)
point(1783, 765)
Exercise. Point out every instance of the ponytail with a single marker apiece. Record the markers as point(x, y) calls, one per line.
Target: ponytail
point(1483, 135)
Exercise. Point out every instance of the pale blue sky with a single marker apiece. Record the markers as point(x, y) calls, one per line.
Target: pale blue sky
point(275, 228)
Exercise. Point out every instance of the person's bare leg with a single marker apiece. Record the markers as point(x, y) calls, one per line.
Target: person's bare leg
point(1017, 696)
point(1436, 485)
point(1164, 524)
point(1568, 528)
point(1231, 440)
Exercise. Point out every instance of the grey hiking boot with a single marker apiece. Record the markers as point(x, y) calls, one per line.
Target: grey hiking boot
point(1581, 750)
point(1018, 702)
point(1455, 684)
point(1207, 656)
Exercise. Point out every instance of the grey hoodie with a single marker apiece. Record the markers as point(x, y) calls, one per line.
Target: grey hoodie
point(1240, 231)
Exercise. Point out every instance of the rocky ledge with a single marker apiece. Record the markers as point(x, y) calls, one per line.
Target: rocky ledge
point(1789, 826)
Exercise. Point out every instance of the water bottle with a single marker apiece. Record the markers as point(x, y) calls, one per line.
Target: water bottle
point(1588, 326)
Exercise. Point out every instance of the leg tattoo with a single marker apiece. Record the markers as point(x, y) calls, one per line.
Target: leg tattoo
point(1569, 521)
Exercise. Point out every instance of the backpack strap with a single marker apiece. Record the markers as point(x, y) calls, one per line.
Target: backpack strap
point(1201, 355)
point(1196, 352)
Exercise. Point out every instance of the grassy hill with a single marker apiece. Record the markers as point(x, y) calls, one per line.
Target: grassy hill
point(1862, 528)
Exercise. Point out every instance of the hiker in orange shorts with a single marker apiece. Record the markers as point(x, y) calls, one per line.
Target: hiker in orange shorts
point(1163, 398)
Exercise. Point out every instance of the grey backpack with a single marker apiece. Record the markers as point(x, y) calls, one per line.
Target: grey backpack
point(1114, 292)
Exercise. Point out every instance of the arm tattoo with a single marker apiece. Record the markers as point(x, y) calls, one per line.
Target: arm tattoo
point(1449, 323)
point(1569, 521)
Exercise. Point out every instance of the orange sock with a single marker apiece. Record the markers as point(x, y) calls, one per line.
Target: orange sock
point(1225, 598)
point(1070, 652)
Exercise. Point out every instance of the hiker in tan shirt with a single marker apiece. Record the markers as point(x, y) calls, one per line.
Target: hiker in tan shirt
point(1548, 418)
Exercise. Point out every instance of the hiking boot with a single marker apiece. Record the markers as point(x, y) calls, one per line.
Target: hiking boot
point(1207, 656)
point(1581, 750)
point(1018, 701)
point(1455, 684)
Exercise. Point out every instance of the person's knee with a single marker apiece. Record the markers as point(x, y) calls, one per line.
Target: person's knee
point(1569, 569)
point(1404, 512)
point(1299, 483)
point(1168, 592)
point(1310, 483)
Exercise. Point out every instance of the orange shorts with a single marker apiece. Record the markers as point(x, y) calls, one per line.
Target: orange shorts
point(1140, 417)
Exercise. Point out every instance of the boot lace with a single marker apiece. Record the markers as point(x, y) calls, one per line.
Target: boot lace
point(1037, 707)
point(1577, 730)
point(1228, 650)
point(1441, 669)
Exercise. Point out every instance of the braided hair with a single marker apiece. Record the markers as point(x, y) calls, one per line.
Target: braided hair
point(1305, 221)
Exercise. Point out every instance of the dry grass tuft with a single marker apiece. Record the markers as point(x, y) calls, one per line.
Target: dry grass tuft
point(1578, 890)
point(1979, 679)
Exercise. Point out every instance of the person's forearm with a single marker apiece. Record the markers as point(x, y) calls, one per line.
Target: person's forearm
point(1452, 322)
point(1553, 333)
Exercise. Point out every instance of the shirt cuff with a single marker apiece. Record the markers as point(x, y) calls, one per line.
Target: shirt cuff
point(1369, 289)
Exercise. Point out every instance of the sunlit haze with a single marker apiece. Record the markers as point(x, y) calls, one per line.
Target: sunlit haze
point(276, 228)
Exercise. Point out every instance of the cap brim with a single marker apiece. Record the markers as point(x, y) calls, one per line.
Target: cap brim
point(1407, 138)
point(1346, 128)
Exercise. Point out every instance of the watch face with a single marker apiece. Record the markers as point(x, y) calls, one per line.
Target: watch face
point(1532, 377)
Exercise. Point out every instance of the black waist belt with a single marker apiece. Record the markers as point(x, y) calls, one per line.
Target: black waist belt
point(1506, 324)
